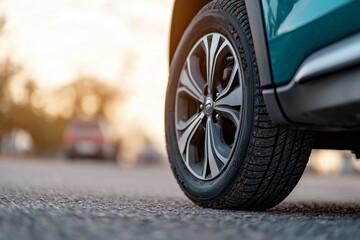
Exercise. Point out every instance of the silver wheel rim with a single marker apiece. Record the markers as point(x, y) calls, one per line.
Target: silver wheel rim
point(208, 106)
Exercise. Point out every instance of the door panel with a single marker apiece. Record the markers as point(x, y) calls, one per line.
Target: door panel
point(297, 28)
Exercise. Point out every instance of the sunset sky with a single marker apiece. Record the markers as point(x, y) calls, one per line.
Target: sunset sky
point(124, 43)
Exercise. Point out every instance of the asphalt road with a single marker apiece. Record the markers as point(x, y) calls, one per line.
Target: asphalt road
point(91, 200)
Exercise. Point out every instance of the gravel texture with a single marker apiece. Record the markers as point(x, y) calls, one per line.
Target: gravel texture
point(89, 200)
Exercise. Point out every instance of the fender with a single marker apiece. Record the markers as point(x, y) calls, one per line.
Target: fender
point(184, 11)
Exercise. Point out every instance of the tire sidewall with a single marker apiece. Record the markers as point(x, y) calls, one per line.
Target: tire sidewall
point(205, 22)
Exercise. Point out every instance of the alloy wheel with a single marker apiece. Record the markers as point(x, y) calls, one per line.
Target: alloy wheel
point(208, 107)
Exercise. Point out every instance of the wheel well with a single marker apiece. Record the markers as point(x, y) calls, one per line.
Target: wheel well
point(184, 11)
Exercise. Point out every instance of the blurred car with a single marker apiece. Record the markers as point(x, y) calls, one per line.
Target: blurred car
point(254, 86)
point(89, 138)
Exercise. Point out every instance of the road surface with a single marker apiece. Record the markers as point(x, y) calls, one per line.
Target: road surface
point(93, 200)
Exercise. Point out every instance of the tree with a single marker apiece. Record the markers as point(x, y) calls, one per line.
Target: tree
point(46, 123)
point(88, 91)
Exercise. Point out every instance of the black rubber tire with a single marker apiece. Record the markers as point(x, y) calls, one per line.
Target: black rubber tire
point(269, 160)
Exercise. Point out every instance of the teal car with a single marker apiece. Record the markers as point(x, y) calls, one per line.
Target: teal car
point(254, 86)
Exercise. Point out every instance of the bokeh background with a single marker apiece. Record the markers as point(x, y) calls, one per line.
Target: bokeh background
point(62, 59)
point(67, 59)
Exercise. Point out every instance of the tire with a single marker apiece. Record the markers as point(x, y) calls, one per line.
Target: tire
point(256, 163)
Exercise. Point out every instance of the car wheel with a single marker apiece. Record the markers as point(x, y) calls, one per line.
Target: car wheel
point(223, 149)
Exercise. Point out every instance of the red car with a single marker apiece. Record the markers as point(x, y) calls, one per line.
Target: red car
point(89, 138)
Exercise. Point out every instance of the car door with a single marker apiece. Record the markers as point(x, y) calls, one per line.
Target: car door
point(297, 28)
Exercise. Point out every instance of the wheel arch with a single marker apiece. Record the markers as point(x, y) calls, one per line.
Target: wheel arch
point(183, 12)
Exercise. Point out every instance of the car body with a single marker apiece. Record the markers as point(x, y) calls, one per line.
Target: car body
point(301, 45)
point(89, 138)
point(306, 57)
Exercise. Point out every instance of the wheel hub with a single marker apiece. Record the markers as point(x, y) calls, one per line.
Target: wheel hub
point(209, 106)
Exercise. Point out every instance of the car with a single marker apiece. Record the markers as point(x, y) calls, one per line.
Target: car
point(89, 138)
point(254, 86)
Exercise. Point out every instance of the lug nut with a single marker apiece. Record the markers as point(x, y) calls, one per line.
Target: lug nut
point(230, 58)
point(217, 94)
point(201, 107)
point(217, 117)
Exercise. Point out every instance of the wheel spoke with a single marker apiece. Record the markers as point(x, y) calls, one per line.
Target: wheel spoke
point(188, 129)
point(233, 99)
point(212, 53)
point(226, 106)
point(210, 157)
point(205, 166)
point(212, 149)
point(217, 146)
point(190, 87)
point(234, 72)
point(229, 113)
point(193, 69)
